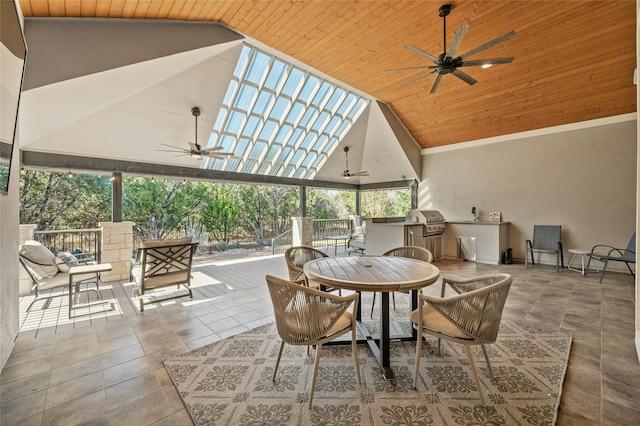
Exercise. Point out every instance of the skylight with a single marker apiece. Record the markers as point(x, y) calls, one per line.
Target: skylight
point(280, 120)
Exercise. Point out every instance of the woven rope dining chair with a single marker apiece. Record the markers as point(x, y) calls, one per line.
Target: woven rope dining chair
point(411, 252)
point(296, 257)
point(306, 317)
point(471, 317)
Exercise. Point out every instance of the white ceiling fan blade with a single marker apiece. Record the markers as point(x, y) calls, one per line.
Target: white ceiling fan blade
point(193, 146)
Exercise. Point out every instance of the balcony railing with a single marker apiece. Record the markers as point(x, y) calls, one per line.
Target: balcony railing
point(322, 230)
point(76, 241)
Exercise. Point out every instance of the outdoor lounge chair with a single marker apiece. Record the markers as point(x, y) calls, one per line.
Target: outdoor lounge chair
point(48, 271)
point(471, 317)
point(161, 264)
point(606, 254)
point(309, 317)
point(546, 239)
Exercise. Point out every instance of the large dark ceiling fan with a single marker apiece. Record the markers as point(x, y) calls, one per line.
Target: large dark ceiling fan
point(195, 149)
point(447, 63)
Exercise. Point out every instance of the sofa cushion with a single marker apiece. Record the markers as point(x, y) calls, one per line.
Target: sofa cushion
point(41, 260)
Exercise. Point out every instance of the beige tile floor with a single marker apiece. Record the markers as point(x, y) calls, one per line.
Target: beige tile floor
point(106, 368)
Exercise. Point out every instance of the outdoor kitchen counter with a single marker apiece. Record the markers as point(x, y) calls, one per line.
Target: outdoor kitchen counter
point(491, 239)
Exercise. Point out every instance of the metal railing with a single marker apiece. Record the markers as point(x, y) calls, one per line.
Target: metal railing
point(74, 241)
point(323, 229)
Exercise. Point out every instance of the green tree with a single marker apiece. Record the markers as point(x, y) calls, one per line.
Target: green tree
point(161, 207)
point(221, 211)
point(57, 201)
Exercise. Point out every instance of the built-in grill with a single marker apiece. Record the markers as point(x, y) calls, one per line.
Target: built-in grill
point(434, 223)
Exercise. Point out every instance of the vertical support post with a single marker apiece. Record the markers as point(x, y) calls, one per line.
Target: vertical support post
point(116, 197)
point(358, 195)
point(414, 194)
point(303, 201)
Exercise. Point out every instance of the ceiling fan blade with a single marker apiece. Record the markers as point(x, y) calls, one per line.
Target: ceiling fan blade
point(492, 61)
point(464, 77)
point(170, 150)
point(488, 44)
point(455, 44)
point(436, 82)
point(411, 68)
point(415, 79)
point(193, 146)
point(173, 146)
point(363, 173)
point(422, 53)
point(209, 153)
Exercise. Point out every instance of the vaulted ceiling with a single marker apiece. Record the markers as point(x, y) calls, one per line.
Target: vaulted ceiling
point(574, 60)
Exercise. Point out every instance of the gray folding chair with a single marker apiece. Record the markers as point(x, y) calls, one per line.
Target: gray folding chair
point(606, 254)
point(546, 239)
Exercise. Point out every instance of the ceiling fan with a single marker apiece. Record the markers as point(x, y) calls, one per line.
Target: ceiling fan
point(447, 63)
point(195, 150)
point(348, 173)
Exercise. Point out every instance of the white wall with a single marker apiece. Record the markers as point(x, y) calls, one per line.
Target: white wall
point(9, 220)
point(583, 179)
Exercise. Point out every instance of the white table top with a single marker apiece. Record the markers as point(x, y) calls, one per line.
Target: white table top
point(372, 273)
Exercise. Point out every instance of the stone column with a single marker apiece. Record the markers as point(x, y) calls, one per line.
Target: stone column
point(302, 231)
point(117, 249)
point(25, 283)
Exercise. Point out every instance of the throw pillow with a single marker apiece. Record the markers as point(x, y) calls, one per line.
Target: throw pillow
point(65, 260)
point(41, 260)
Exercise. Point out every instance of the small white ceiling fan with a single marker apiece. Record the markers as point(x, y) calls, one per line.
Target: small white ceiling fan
point(195, 150)
point(348, 173)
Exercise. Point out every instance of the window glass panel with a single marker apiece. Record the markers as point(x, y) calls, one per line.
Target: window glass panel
point(272, 152)
point(245, 98)
point(283, 134)
point(233, 164)
point(335, 98)
point(252, 126)
point(319, 145)
point(268, 130)
point(333, 124)
point(265, 100)
point(342, 128)
point(346, 104)
point(295, 138)
point(309, 115)
point(293, 82)
point(299, 173)
point(242, 146)
point(308, 139)
point(222, 114)
point(275, 75)
point(318, 161)
point(288, 171)
point(275, 169)
point(309, 158)
point(296, 157)
point(236, 120)
point(242, 61)
point(309, 88)
point(249, 166)
point(280, 109)
point(322, 93)
point(226, 142)
point(320, 121)
point(296, 111)
point(262, 170)
point(358, 107)
point(231, 91)
point(257, 68)
point(284, 155)
point(257, 150)
point(216, 163)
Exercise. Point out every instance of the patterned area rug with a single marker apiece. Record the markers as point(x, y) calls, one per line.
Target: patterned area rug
point(229, 382)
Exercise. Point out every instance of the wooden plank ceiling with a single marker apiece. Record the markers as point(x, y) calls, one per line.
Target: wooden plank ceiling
point(574, 60)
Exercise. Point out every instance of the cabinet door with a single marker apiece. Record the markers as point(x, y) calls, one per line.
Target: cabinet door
point(413, 236)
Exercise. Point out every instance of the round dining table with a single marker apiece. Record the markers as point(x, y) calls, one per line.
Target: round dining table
point(382, 274)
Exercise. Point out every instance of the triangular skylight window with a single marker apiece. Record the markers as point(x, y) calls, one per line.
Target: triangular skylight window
point(280, 120)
